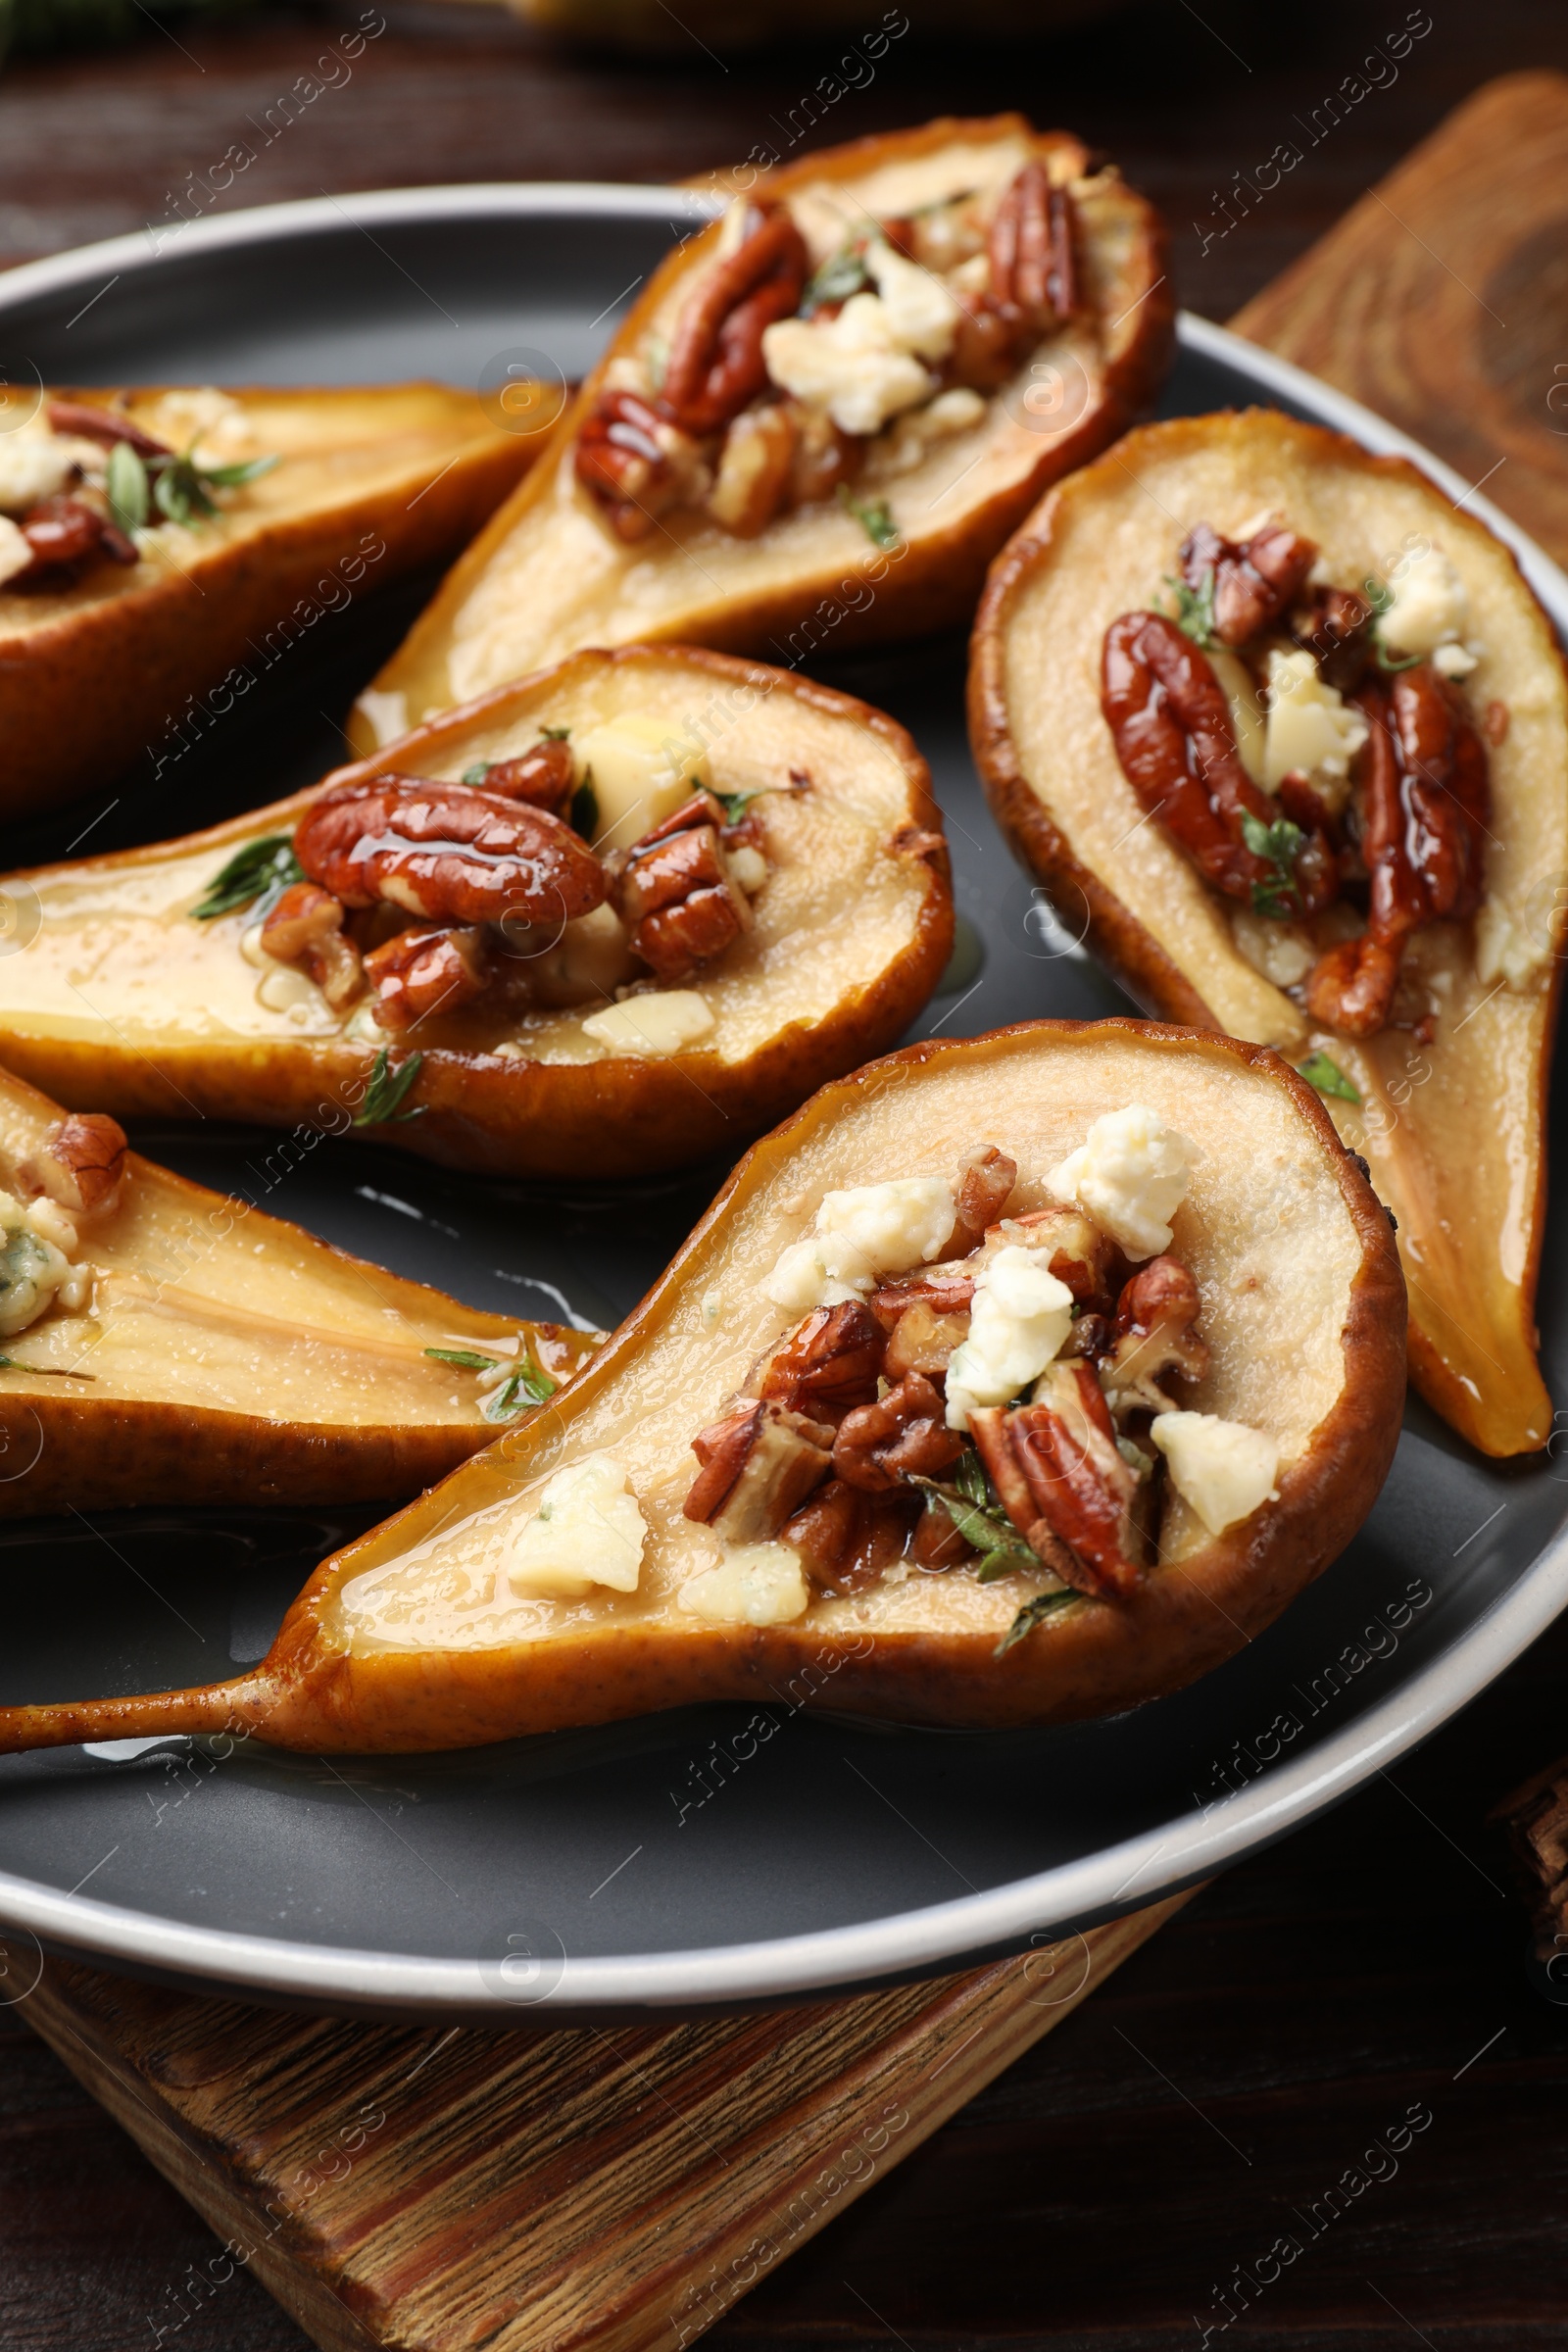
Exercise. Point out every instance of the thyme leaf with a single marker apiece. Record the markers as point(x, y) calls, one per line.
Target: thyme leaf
point(842, 275)
point(465, 1358)
point(527, 1387)
point(1328, 1077)
point(584, 814)
point(1034, 1612)
point(875, 516)
point(261, 870)
point(478, 773)
point(9, 1363)
point(127, 487)
point(385, 1092)
point(1379, 596)
point(1195, 610)
point(1278, 844)
point(1001, 1547)
point(182, 490)
point(554, 734)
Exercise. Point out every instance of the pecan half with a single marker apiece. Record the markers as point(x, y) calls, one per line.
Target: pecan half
point(845, 1537)
point(65, 535)
point(1253, 580)
point(757, 1466)
point(82, 1164)
point(306, 928)
point(902, 1435)
point(923, 1341)
point(829, 1363)
point(716, 361)
point(633, 461)
point(1422, 803)
point(1034, 276)
point(676, 895)
point(755, 467)
point(544, 777)
point(420, 973)
point(1061, 1480)
point(107, 425)
point(1171, 725)
point(1156, 1317)
point(987, 1181)
point(447, 850)
point(1335, 628)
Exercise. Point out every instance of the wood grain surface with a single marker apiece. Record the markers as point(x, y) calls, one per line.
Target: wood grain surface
point(1108, 2191)
point(609, 2189)
point(1442, 300)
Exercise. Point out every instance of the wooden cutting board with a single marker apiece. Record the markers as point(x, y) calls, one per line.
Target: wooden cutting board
point(611, 2191)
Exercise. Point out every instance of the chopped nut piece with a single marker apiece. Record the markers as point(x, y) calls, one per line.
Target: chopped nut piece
point(306, 928)
point(829, 1364)
point(1154, 1334)
point(674, 893)
point(844, 1538)
point(902, 1435)
point(83, 1163)
point(1252, 582)
point(923, 1339)
point(544, 777)
point(421, 973)
point(633, 461)
point(987, 1182)
point(755, 464)
point(757, 1466)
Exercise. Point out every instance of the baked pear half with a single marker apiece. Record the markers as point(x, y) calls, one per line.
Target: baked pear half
point(1288, 733)
point(161, 549)
point(823, 417)
point(158, 1338)
point(1025, 1378)
point(597, 923)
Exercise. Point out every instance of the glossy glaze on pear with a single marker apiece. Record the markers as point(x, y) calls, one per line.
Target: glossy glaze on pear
point(223, 1355)
point(1454, 1128)
point(122, 1002)
point(549, 576)
point(411, 1638)
point(132, 661)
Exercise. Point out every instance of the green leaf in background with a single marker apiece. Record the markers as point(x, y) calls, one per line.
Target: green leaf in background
point(385, 1092)
point(1328, 1077)
point(263, 868)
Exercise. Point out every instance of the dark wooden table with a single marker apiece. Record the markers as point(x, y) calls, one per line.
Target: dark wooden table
point(1121, 2187)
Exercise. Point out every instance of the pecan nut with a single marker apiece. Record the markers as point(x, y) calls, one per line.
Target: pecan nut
point(755, 466)
point(715, 363)
point(421, 973)
point(1252, 580)
point(987, 1182)
point(829, 1364)
point(632, 460)
point(1062, 1482)
point(544, 777)
point(756, 1467)
point(674, 892)
point(65, 535)
point(1155, 1336)
point(899, 1435)
point(108, 425)
point(1034, 274)
point(845, 1537)
point(1422, 800)
point(923, 1341)
point(1171, 725)
point(83, 1163)
point(447, 851)
point(306, 928)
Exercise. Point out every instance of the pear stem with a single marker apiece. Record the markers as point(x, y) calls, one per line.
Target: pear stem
point(237, 1706)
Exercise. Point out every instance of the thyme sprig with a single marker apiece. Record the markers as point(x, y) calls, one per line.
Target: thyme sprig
point(385, 1090)
point(179, 488)
point(263, 870)
point(1328, 1077)
point(1195, 610)
point(1035, 1612)
point(525, 1387)
point(842, 275)
point(1279, 845)
point(875, 516)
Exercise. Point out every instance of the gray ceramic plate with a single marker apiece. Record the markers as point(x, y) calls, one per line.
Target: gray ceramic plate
point(693, 1859)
